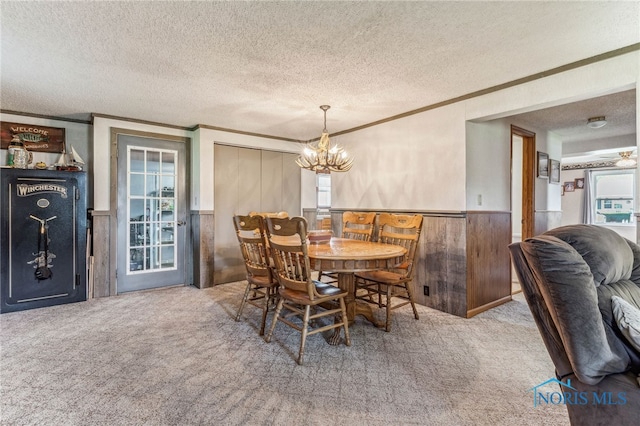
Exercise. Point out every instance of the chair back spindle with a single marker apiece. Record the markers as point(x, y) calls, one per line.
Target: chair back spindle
point(401, 230)
point(358, 225)
point(288, 242)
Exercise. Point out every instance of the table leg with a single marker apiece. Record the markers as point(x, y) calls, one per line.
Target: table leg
point(347, 282)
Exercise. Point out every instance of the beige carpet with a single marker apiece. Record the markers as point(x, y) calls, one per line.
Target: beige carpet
point(177, 357)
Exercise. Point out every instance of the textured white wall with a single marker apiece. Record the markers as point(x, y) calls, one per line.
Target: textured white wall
point(414, 163)
point(488, 165)
point(572, 202)
point(420, 162)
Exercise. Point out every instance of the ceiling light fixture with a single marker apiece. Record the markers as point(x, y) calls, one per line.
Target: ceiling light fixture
point(321, 156)
point(596, 122)
point(625, 161)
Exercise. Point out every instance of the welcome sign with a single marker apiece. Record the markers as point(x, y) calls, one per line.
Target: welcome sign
point(34, 138)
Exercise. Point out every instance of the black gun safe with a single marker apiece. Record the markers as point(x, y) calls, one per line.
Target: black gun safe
point(43, 232)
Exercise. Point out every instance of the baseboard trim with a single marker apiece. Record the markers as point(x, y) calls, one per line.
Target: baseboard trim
point(475, 311)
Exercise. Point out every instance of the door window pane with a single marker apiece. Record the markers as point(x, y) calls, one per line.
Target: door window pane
point(136, 161)
point(136, 184)
point(151, 204)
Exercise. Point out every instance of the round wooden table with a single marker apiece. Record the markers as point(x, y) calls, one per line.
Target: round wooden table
point(346, 257)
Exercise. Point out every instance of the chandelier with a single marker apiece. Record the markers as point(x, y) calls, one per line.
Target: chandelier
point(625, 161)
point(320, 156)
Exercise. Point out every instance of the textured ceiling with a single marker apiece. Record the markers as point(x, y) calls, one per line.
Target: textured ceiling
point(265, 67)
point(569, 122)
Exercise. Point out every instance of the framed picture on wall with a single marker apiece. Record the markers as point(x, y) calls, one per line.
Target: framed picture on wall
point(34, 138)
point(569, 186)
point(554, 171)
point(579, 183)
point(543, 164)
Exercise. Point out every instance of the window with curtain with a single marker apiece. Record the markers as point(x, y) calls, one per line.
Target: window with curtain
point(613, 196)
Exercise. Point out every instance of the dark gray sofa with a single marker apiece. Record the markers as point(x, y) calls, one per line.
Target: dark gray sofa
point(568, 276)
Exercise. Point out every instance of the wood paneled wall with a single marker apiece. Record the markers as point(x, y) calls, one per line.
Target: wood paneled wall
point(101, 231)
point(462, 258)
point(488, 261)
point(442, 265)
point(546, 219)
point(201, 242)
point(202, 237)
point(311, 215)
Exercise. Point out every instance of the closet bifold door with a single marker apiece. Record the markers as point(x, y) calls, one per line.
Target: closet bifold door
point(248, 180)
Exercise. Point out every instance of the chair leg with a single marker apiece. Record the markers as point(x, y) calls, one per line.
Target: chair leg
point(413, 305)
point(345, 322)
point(275, 320)
point(387, 326)
point(265, 309)
point(244, 301)
point(303, 337)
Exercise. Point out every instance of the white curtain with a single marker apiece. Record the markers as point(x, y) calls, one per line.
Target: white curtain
point(587, 211)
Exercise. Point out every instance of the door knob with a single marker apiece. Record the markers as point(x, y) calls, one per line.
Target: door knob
point(181, 223)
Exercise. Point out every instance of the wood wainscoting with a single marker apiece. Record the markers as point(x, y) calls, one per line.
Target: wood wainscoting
point(311, 215)
point(202, 237)
point(101, 284)
point(199, 258)
point(546, 219)
point(488, 261)
point(463, 260)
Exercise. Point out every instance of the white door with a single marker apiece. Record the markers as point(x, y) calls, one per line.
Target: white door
point(151, 213)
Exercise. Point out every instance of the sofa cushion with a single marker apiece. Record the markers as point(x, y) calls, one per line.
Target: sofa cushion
point(630, 292)
point(628, 319)
point(635, 271)
point(567, 285)
point(608, 255)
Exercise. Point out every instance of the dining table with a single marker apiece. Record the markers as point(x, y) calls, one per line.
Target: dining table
point(346, 257)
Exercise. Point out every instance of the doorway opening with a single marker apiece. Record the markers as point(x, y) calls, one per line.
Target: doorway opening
point(523, 156)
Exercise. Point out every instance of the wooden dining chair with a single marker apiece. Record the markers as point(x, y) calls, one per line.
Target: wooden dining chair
point(261, 282)
point(355, 226)
point(380, 287)
point(325, 224)
point(298, 294)
point(269, 214)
